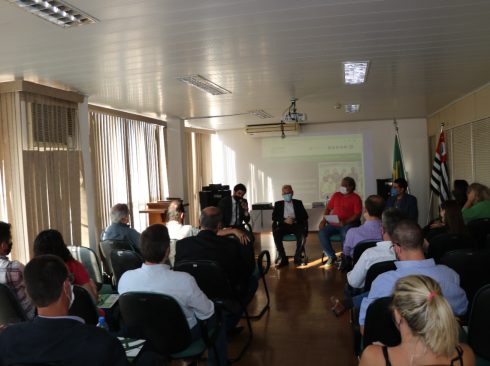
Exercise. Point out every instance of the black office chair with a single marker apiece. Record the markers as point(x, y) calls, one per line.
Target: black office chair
point(361, 247)
point(379, 325)
point(443, 243)
point(106, 248)
point(159, 319)
point(375, 270)
point(473, 267)
point(10, 309)
point(90, 261)
point(212, 280)
point(479, 324)
point(84, 306)
point(124, 260)
point(479, 229)
point(263, 266)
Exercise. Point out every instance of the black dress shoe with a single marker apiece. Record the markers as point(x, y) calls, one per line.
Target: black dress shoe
point(297, 261)
point(283, 263)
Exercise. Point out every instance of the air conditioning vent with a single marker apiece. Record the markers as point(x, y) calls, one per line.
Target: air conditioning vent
point(51, 127)
point(273, 130)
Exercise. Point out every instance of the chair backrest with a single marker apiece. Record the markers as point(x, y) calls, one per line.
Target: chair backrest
point(124, 260)
point(91, 262)
point(106, 248)
point(361, 247)
point(210, 278)
point(479, 323)
point(473, 267)
point(379, 325)
point(479, 229)
point(83, 306)
point(10, 309)
point(157, 318)
point(375, 270)
point(443, 243)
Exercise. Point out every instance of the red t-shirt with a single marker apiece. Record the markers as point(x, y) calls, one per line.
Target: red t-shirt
point(80, 274)
point(345, 206)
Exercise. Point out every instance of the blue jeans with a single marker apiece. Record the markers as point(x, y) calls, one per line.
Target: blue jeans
point(327, 232)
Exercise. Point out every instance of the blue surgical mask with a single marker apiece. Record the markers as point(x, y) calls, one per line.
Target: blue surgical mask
point(287, 197)
point(393, 191)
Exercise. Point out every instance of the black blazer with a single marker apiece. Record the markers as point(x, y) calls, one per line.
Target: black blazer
point(299, 212)
point(225, 205)
point(222, 250)
point(62, 341)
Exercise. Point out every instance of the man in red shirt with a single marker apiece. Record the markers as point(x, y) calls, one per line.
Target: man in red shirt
point(347, 205)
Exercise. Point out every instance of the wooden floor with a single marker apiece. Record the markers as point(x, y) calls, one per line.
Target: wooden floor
point(299, 328)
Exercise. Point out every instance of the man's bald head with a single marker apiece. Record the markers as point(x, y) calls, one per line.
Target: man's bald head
point(211, 218)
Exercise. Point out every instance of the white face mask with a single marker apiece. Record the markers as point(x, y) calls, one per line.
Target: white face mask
point(343, 190)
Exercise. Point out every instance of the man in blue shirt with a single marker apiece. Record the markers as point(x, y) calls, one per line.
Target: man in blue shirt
point(120, 229)
point(407, 242)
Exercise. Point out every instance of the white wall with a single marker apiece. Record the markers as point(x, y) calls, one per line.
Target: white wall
point(241, 159)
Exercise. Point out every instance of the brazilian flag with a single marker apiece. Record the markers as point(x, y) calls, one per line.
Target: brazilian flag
point(398, 170)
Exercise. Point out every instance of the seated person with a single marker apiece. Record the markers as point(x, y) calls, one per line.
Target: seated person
point(226, 252)
point(12, 272)
point(407, 241)
point(154, 276)
point(370, 230)
point(235, 208)
point(477, 205)
point(289, 217)
point(450, 222)
point(383, 251)
point(177, 230)
point(347, 205)
point(120, 229)
point(428, 329)
point(54, 337)
point(51, 242)
point(402, 200)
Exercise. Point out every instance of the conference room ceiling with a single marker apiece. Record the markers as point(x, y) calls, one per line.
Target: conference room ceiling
point(423, 54)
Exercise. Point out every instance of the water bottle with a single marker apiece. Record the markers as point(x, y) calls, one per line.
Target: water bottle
point(326, 200)
point(102, 323)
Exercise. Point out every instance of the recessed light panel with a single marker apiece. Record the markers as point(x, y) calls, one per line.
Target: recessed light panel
point(260, 113)
point(355, 72)
point(351, 108)
point(204, 84)
point(55, 11)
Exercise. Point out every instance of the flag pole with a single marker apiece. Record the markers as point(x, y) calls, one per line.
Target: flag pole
point(401, 151)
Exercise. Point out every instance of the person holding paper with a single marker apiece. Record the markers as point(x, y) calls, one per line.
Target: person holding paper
point(347, 206)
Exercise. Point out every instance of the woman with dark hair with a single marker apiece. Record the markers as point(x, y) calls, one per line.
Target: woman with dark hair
point(428, 329)
point(460, 192)
point(51, 242)
point(451, 221)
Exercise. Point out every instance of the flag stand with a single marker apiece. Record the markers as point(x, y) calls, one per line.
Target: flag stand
point(401, 151)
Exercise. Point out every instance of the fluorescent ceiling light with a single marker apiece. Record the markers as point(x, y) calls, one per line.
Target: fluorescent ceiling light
point(355, 72)
point(351, 108)
point(204, 84)
point(55, 11)
point(260, 113)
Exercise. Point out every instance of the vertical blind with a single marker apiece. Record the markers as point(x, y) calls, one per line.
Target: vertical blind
point(129, 165)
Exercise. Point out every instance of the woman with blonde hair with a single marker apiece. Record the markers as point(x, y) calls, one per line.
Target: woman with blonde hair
point(428, 329)
point(477, 205)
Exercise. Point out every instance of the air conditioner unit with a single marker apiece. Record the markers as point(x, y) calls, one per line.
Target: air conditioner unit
point(273, 129)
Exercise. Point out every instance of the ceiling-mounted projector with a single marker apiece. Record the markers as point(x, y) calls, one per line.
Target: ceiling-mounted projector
point(294, 117)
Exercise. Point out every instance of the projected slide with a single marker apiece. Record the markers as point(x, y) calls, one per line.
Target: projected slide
point(315, 165)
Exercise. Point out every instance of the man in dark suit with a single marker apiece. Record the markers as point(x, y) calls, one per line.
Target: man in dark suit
point(289, 217)
point(53, 336)
point(231, 256)
point(235, 208)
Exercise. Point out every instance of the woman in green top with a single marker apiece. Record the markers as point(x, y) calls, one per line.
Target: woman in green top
point(477, 205)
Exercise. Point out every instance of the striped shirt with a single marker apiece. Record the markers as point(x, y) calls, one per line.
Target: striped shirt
point(11, 274)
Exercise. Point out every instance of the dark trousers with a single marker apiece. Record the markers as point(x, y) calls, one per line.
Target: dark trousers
point(284, 229)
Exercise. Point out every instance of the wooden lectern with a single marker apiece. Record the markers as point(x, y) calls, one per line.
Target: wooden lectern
point(157, 211)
